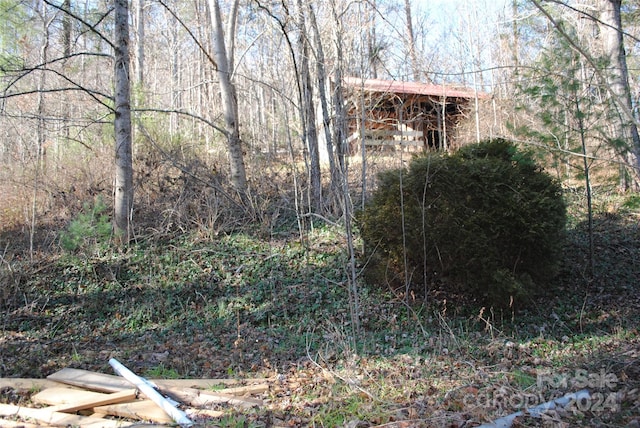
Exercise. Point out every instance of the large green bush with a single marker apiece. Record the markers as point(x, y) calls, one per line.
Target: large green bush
point(485, 221)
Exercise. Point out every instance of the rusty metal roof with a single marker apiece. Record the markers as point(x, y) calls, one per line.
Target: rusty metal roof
point(411, 88)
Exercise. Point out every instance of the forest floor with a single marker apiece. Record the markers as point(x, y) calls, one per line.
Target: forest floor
point(252, 304)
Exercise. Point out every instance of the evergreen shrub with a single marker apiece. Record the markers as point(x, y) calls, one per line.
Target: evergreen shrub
point(485, 221)
point(92, 226)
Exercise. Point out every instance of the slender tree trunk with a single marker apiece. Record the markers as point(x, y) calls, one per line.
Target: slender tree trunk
point(176, 75)
point(44, 57)
point(587, 182)
point(229, 101)
point(308, 112)
point(206, 98)
point(66, 43)
point(339, 138)
point(618, 80)
point(41, 130)
point(515, 46)
point(372, 43)
point(138, 22)
point(66, 28)
point(324, 103)
point(415, 70)
point(231, 35)
point(340, 119)
point(123, 192)
point(140, 29)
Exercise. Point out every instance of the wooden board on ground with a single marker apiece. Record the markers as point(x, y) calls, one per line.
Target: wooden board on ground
point(204, 412)
point(142, 410)
point(58, 419)
point(110, 383)
point(91, 402)
point(90, 380)
point(245, 390)
point(197, 398)
point(207, 383)
point(27, 384)
point(6, 423)
point(103, 396)
point(61, 395)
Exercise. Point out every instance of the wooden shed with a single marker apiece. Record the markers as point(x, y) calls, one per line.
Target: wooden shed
point(391, 113)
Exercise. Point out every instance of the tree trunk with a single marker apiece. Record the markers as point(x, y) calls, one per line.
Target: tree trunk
point(229, 101)
point(412, 42)
point(618, 79)
point(324, 103)
point(140, 43)
point(123, 192)
point(340, 115)
point(307, 109)
point(41, 131)
point(66, 28)
point(373, 47)
point(176, 73)
point(231, 35)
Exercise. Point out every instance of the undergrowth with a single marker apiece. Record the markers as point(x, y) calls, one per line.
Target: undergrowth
point(250, 303)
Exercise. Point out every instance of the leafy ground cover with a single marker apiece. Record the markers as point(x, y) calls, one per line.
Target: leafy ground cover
point(248, 304)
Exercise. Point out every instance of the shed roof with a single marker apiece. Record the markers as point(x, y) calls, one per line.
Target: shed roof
point(409, 88)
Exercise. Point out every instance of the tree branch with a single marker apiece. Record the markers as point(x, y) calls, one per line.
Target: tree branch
point(25, 71)
point(93, 94)
point(91, 27)
point(193, 37)
point(184, 113)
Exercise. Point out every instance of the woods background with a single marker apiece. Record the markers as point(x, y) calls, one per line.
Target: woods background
point(232, 101)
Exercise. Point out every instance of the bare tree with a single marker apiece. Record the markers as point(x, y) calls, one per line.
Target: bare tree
point(123, 192)
point(323, 84)
point(411, 40)
point(228, 93)
point(140, 40)
point(307, 110)
point(374, 48)
point(41, 127)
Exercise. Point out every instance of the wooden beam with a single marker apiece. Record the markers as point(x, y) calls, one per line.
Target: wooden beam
point(392, 143)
